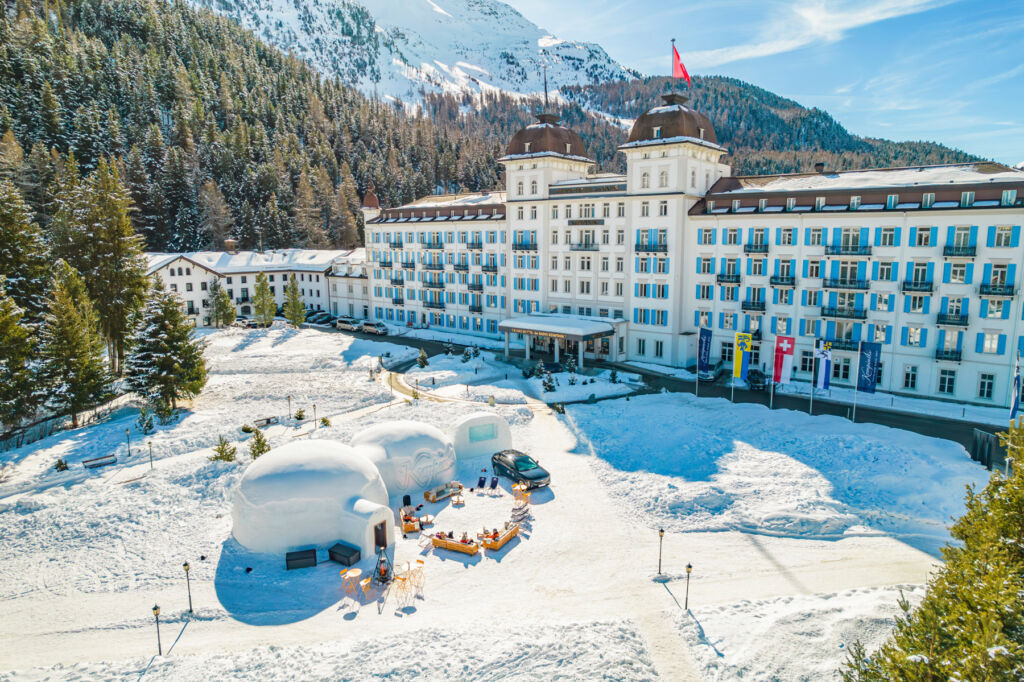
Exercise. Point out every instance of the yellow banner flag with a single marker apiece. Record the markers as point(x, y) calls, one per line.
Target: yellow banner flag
point(741, 355)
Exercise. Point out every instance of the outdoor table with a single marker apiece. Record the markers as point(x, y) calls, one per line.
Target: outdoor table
point(351, 579)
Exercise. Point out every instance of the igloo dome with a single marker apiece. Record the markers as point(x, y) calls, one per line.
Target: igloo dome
point(311, 493)
point(479, 434)
point(411, 456)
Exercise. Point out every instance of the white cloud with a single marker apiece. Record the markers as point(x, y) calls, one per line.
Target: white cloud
point(804, 23)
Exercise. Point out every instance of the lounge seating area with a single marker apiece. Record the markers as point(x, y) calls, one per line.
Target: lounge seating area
point(443, 491)
point(495, 539)
point(466, 546)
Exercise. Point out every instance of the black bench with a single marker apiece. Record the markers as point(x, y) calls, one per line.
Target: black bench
point(346, 555)
point(303, 558)
point(260, 423)
point(99, 461)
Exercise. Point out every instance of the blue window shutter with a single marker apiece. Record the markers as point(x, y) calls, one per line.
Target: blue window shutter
point(984, 307)
point(972, 240)
point(906, 304)
point(748, 293)
point(895, 271)
point(735, 317)
point(806, 262)
point(896, 240)
point(933, 237)
point(858, 301)
point(888, 333)
point(817, 327)
point(1011, 274)
point(969, 275)
point(878, 236)
point(803, 297)
point(697, 295)
point(944, 305)
point(778, 237)
point(636, 289)
point(807, 235)
point(964, 308)
point(721, 320)
point(979, 343)
point(775, 295)
point(835, 269)
point(927, 302)
point(874, 271)
point(1006, 312)
point(749, 264)
point(874, 301)
point(713, 236)
point(712, 262)
point(930, 272)
point(949, 235)
point(990, 240)
point(803, 326)
point(903, 336)
point(830, 330)
point(946, 268)
point(776, 267)
point(789, 325)
point(636, 315)
point(941, 341)
point(774, 322)
point(746, 323)
point(696, 318)
point(986, 276)
point(1002, 344)
point(864, 236)
point(1015, 236)
point(870, 332)
point(862, 270)
point(913, 236)
point(837, 236)
point(699, 259)
point(1020, 345)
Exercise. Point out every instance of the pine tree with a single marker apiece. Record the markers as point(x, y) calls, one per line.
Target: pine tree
point(24, 259)
point(308, 220)
point(294, 310)
point(216, 215)
point(258, 445)
point(263, 302)
point(17, 385)
point(422, 360)
point(11, 157)
point(970, 625)
point(166, 363)
point(224, 312)
point(71, 348)
point(223, 451)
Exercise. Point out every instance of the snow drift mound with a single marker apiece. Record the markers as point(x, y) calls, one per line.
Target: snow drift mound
point(310, 493)
point(411, 456)
point(480, 434)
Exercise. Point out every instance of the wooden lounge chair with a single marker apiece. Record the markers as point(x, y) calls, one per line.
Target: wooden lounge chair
point(455, 545)
point(501, 540)
point(441, 492)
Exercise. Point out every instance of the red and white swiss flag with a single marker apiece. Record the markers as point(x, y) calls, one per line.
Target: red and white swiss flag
point(784, 346)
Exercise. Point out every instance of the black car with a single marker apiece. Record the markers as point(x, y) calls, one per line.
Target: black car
point(756, 380)
point(520, 468)
point(711, 374)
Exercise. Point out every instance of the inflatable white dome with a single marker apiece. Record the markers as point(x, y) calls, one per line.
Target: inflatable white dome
point(310, 493)
point(410, 456)
point(480, 434)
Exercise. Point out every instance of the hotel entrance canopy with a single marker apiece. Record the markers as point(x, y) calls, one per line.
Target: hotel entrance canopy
point(565, 327)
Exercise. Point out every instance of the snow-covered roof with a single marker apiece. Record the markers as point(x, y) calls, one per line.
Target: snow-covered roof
point(879, 178)
point(673, 140)
point(537, 155)
point(467, 199)
point(599, 179)
point(279, 260)
point(569, 326)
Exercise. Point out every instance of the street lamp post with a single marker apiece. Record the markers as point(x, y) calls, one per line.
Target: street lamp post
point(128, 435)
point(159, 647)
point(289, 407)
point(150, 454)
point(661, 540)
point(686, 601)
point(188, 584)
point(314, 416)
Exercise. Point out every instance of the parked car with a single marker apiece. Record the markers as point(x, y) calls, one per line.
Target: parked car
point(711, 374)
point(319, 318)
point(349, 323)
point(311, 313)
point(520, 468)
point(378, 328)
point(756, 379)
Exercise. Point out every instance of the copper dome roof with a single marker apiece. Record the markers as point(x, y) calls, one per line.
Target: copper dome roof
point(370, 199)
point(546, 136)
point(672, 119)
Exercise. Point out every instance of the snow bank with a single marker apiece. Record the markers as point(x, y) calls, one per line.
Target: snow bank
point(707, 464)
point(309, 493)
point(480, 434)
point(411, 456)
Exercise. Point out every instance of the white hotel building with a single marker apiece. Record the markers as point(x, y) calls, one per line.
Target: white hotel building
point(923, 260)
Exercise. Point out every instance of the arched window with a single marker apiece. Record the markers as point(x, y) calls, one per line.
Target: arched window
point(519, 188)
point(533, 187)
point(693, 179)
point(645, 180)
point(663, 179)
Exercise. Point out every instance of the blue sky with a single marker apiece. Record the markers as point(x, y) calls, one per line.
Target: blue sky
point(951, 71)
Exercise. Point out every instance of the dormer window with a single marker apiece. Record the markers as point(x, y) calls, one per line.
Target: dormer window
point(657, 132)
point(892, 200)
point(1009, 197)
point(819, 203)
point(701, 133)
point(526, 147)
point(711, 206)
point(568, 148)
point(927, 199)
point(966, 199)
point(790, 203)
point(762, 204)
point(854, 203)
point(735, 205)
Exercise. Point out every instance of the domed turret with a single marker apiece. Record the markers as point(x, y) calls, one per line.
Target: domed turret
point(546, 136)
point(672, 119)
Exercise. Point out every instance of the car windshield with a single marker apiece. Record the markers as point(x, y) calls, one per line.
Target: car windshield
point(525, 463)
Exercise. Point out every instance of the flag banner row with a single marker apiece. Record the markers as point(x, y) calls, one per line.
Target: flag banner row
point(784, 349)
point(741, 355)
point(823, 353)
point(867, 366)
point(704, 350)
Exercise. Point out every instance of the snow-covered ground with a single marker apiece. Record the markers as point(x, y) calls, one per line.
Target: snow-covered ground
point(828, 508)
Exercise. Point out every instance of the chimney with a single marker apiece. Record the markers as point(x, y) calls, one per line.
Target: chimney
point(229, 246)
point(819, 167)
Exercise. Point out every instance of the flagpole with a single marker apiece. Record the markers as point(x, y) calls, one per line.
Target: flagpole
point(856, 389)
point(814, 376)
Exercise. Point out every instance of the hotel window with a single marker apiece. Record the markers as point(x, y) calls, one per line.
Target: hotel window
point(732, 235)
point(1003, 235)
point(990, 343)
point(188, 286)
point(533, 213)
point(645, 209)
point(619, 264)
point(554, 286)
point(567, 286)
point(620, 236)
point(645, 180)
point(662, 208)
point(729, 293)
point(533, 187)
point(705, 266)
point(710, 207)
point(884, 272)
point(554, 262)
point(519, 212)
point(568, 149)
point(618, 292)
point(693, 179)
point(879, 335)
point(854, 203)
point(917, 304)
point(757, 266)
point(947, 381)
point(554, 211)
point(882, 303)
point(707, 181)
point(568, 263)
point(887, 236)
point(606, 210)
point(641, 347)
point(704, 318)
point(585, 263)
point(985, 384)
point(663, 179)
point(704, 236)
point(202, 285)
point(927, 199)
point(620, 210)
point(807, 361)
point(813, 298)
point(656, 132)
point(814, 237)
point(966, 199)
point(659, 348)
point(604, 290)
point(584, 286)
point(924, 237)
point(913, 336)
point(736, 205)
point(761, 205)
point(910, 377)
point(519, 188)
point(892, 200)
point(704, 292)
point(819, 203)
point(786, 236)
point(587, 211)
point(1009, 197)
point(953, 307)
point(727, 345)
point(604, 263)
point(554, 236)
point(841, 368)
point(995, 309)
point(785, 297)
point(643, 265)
point(568, 210)
point(814, 268)
point(790, 203)
point(604, 236)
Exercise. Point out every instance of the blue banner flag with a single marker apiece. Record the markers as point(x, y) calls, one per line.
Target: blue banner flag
point(704, 350)
point(867, 371)
point(1015, 405)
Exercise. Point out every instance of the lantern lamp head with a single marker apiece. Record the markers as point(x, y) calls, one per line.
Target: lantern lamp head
point(661, 532)
point(156, 610)
point(186, 566)
point(689, 568)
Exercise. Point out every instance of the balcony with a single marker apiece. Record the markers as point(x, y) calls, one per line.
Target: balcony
point(432, 246)
point(951, 320)
point(395, 245)
point(585, 246)
point(755, 248)
point(843, 283)
point(492, 268)
point(475, 246)
point(917, 287)
point(948, 355)
point(461, 267)
point(398, 301)
point(385, 264)
point(847, 250)
point(476, 286)
point(996, 290)
point(243, 299)
point(476, 308)
point(729, 278)
point(651, 248)
point(397, 282)
point(782, 281)
point(411, 265)
point(843, 344)
point(755, 306)
point(433, 266)
point(847, 313)
point(429, 284)
point(960, 251)
point(524, 246)
point(437, 305)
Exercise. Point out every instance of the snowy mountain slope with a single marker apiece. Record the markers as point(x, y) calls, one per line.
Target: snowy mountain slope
point(395, 48)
